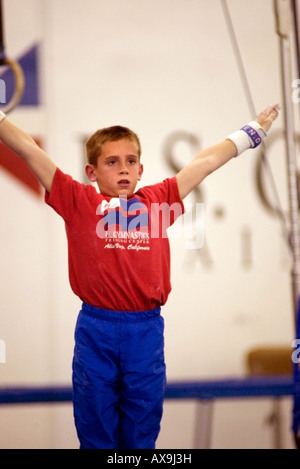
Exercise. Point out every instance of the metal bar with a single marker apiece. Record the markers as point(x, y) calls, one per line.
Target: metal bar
point(267, 386)
point(2, 48)
point(203, 424)
point(282, 11)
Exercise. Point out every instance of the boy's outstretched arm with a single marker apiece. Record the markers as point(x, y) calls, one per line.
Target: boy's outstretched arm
point(24, 146)
point(212, 158)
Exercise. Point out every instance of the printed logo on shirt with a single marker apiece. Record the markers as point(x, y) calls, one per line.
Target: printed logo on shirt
point(129, 224)
point(106, 205)
point(120, 214)
point(124, 224)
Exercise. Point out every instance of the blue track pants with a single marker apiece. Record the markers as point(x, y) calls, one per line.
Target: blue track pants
point(118, 378)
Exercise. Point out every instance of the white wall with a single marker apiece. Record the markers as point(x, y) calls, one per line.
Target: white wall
point(158, 67)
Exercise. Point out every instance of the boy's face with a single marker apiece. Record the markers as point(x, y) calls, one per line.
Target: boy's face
point(118, 168)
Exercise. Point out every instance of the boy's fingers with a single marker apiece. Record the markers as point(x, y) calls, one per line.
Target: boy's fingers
point(274, 110)
point(268, 116)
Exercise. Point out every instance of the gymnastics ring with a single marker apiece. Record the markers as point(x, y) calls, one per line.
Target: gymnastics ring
point(19, 85)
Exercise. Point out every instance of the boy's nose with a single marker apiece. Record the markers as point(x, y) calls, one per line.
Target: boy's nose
point(124, 170)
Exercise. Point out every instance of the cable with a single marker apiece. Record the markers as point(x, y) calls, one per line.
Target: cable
point(296, 33)
point(2, 55)
point(250, 101)
point(16, 69)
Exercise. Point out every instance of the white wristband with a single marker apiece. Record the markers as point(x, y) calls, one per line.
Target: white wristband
point(2, 116)
point(249, 136)
point(255, 125)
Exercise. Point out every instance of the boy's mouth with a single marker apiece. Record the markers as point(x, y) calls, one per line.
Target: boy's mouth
point(123, 182)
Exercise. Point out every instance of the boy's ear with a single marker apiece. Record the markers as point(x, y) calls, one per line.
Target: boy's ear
point(141, 171)
point(90, 172)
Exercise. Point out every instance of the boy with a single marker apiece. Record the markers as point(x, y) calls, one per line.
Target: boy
point(119, 266)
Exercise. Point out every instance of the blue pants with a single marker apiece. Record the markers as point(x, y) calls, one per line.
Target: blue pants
point(118, 378)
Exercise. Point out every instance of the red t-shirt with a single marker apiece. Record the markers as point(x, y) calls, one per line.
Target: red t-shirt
point(118, 249)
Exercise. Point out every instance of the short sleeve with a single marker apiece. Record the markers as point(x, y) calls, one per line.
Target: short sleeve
point(65, 191)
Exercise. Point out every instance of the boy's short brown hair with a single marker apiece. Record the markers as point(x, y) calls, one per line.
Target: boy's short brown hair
point(109, 134)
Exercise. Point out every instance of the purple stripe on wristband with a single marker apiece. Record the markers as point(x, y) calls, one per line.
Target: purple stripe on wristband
point(256, 139)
